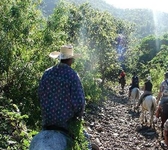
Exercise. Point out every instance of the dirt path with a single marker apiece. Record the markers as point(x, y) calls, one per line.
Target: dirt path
point(114, 126)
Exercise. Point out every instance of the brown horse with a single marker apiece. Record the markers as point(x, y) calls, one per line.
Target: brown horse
point(122, 81)
point(163, 115)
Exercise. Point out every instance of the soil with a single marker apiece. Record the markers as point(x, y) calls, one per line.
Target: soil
point(113, 125)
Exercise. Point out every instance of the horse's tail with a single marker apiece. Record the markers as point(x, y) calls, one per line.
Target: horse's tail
point(137, 93)
point(153, 108)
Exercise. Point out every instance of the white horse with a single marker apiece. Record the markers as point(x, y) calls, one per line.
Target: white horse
point(148, 105)
point(56, 140)
point(135, 95)
point(49, 140)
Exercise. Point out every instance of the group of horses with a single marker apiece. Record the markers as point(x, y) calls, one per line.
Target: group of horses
point(149, 106)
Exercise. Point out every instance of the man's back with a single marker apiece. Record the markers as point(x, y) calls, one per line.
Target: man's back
point(148, 86)
point(61, 95)
point(135, 81)
point(122, 74)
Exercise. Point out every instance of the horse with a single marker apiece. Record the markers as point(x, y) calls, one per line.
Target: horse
point(49, 140)
point(57, 140)
point(148, 105)
point(122, 81)
point(163, 115)
point(135, 95)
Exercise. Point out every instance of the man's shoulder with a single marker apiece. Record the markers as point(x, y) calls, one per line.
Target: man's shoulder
point(163, 82)
point(46, 72)
point(136, 77)
point(148, 82)
point(73, 75)
point(71, 71)
point(48, 69)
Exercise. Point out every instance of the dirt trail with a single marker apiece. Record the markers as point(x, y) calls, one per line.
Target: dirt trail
point(114, 126)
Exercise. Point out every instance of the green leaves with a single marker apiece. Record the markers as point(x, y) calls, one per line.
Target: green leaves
point(26, 40)
point(12, 126)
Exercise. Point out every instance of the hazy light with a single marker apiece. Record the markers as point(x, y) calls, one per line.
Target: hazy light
point(157, 5)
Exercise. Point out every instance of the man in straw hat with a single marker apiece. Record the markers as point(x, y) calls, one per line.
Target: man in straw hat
point(147, 88)
point(61, 94)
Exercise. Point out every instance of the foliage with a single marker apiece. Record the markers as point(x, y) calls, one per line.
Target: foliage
point(92, 88)
point(145, 21)
point(149, 46)
point(20, 28)
point(26, 40)
point(150, 53)
point(131, 60)
point(158, 66)
point(14, 133)
point(80, 141)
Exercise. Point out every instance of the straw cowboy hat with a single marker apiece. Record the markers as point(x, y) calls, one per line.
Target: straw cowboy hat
point(66, 52)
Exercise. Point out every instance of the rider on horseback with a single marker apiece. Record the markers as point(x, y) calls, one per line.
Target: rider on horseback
point(122, 79)
point(122, 74)
point(147, 90)
point(135, 83)
point(163, 94)
point(61, 94)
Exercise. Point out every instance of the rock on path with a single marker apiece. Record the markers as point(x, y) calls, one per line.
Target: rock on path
point(114, 126)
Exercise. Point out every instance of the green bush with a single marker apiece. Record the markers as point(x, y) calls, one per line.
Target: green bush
point(14, 134)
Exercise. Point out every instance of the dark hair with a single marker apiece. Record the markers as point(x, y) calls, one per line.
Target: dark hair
point(166, 74)
point(65, 60)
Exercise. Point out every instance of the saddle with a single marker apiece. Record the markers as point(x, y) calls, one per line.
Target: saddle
point(146, 96)
point(56, 128)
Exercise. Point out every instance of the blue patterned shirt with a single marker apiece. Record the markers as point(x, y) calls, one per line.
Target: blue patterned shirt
point(61, 96)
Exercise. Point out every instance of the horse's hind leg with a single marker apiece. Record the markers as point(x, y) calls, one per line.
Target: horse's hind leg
point(134, 104)
point(162, 130)
point(146, 120)
point(151, 120)
point(163, 120)
point(142, 117)
point(122, 87)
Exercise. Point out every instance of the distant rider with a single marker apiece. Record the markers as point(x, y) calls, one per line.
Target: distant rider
point(134, 83)
point(147, 88)
point(122, 75)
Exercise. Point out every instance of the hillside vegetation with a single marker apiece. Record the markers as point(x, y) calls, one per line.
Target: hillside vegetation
point(27, 37)
point(144, 21)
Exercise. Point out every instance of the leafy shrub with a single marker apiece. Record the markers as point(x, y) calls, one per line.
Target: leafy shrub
point(92, 88)
point(14, 134)
point(80, 141)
